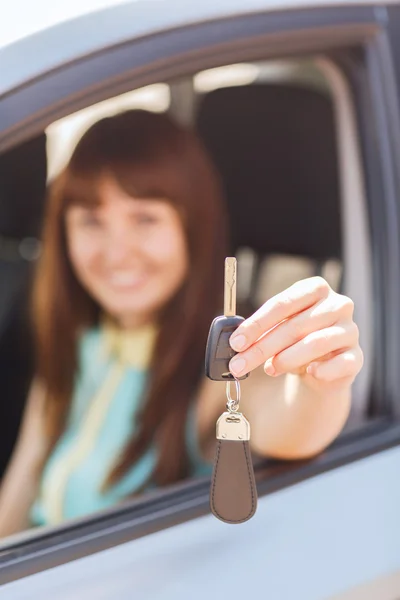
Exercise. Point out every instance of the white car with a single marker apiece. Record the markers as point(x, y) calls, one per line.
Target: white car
point(298, 103)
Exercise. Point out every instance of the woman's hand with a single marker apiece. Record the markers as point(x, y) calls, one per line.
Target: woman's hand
point(308, 329)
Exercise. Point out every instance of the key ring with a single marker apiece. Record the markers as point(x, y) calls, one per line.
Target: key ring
point(231, 404)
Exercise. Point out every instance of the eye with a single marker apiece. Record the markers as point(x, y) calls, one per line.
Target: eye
point(88, 219)
point(146, 219)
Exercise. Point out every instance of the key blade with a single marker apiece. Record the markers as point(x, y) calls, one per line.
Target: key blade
point(230, 287)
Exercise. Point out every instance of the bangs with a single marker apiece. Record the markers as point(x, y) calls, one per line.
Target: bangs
point(154, 180)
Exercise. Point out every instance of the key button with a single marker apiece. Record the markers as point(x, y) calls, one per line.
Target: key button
point(223, 348)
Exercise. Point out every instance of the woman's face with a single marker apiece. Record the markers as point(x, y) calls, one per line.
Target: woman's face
point(129, 253)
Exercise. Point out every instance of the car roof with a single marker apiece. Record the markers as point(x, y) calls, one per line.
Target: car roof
point(36, 37)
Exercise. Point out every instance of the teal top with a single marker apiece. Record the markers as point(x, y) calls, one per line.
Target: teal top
point(105, 402)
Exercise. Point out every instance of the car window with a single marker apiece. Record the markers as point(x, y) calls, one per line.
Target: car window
point(269, 155)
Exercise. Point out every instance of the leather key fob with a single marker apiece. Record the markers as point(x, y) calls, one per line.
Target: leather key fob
point(233, 494)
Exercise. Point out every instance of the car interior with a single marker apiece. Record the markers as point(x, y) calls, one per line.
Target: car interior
point(272, 131)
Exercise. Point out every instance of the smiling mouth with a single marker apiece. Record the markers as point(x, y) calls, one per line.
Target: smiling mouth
point(126, 280)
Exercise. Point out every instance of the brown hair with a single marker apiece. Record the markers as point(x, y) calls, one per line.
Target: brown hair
point(149, 156)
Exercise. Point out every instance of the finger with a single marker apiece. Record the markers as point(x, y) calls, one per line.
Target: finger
point(295, 299)
point(315, 346)
point(285, 335)
point(324, 314)
point(343, 366)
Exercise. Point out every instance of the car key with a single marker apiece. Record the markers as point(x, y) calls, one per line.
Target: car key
point(233, 491)
point(218, 350)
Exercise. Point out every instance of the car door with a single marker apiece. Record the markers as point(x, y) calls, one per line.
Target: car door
point(325, 528)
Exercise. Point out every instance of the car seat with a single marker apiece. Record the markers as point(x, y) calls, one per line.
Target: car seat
point(275, 148)
point(22, 195)
point(275, 145)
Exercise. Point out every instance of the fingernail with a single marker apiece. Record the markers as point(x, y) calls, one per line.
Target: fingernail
point(310, 369)
point(237, 365)
point(270, 369)
point(237, 342)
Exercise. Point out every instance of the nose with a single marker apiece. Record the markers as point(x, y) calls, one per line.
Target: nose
point(120, 245)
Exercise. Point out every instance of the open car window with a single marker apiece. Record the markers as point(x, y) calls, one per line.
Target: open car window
point(278, 134)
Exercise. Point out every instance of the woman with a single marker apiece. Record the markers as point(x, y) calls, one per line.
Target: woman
point(125, 291)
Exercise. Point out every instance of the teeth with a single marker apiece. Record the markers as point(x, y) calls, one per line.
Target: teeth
point(124, 279)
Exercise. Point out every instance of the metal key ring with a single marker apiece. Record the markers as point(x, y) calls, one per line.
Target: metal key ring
point(232, 405)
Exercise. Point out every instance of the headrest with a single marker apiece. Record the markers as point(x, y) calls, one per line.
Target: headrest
point(275, 148)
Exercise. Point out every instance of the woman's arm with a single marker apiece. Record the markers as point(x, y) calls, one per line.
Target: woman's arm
point(290, 420)
point(308, 343)
point(20, 483)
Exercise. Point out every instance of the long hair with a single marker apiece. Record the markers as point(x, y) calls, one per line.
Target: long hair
point(149, 156)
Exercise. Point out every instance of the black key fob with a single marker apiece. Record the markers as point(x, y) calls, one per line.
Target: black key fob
point(218, 350)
